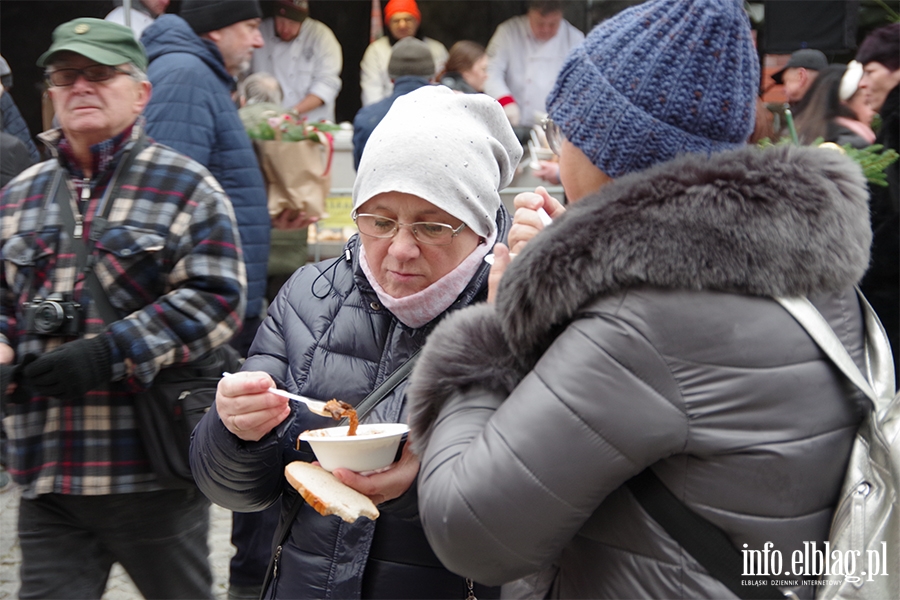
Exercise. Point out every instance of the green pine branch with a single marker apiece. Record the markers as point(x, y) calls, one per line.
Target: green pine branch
point(872, 159)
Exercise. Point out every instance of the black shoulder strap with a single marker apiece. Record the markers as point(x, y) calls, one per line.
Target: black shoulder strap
point(84, 250)
point(708, 544)
point(98, 295)
point(278, 542)
point(387, 386)
point(362, 409)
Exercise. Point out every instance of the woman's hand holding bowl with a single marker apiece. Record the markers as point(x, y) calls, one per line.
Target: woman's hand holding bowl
point(384, 485)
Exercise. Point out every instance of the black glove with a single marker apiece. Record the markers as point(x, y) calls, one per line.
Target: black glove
point(7, 376)
point(72, 370)
point(10, 374)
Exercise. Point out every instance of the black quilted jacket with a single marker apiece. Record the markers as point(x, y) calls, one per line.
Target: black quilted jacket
point(327, 336)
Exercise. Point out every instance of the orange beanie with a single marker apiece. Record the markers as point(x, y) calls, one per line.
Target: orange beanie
point(401, 6)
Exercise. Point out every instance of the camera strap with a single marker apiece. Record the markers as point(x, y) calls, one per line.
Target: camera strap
point(84, 249)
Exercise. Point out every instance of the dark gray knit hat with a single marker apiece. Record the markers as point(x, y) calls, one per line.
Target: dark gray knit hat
point(807, 58)
point(659, 79)
point(411, 56)
point(882, 46)
point(295, 10)
point(209, 15)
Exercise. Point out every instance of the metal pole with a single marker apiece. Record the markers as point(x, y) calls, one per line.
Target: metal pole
point(126, 6)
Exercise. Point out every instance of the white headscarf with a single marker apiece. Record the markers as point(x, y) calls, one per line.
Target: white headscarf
point(457, 151)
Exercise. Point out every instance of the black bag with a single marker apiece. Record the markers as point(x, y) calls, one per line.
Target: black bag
point(169, 410)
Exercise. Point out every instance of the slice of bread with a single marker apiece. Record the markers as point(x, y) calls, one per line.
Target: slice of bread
point(326, 494)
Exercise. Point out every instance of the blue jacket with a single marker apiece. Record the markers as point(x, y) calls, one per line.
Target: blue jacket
point(327, 336)
point(191, 111)
point(13, 123)
point(370, 116)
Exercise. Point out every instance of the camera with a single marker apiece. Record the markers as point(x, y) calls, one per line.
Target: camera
point(54, 315)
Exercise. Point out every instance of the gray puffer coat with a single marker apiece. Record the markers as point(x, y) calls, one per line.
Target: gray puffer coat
point(638, 331)
point(327, 336)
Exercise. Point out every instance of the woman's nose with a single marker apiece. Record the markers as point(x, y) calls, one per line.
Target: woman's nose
point(404, 245)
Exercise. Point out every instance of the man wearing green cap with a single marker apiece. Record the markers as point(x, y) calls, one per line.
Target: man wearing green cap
point(157, 232)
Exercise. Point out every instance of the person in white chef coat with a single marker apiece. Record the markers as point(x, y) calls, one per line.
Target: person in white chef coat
point(304, 56)
point(524, 56)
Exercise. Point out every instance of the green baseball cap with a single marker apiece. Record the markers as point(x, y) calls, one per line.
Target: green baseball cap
point(101, 41)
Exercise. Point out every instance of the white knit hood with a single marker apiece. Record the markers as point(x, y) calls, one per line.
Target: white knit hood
point(457, 151)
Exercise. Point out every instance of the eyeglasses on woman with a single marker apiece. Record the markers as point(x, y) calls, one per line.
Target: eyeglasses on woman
point(427, 232)
point(554, 135)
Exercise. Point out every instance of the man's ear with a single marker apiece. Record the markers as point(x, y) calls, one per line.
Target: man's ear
point(145, 91)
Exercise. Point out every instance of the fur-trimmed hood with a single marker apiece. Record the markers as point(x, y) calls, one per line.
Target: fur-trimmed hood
point(784, 221)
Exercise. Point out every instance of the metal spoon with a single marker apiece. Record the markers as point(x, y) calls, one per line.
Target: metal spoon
point(314, 406)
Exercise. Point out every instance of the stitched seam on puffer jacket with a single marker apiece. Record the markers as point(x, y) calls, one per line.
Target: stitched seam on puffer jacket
point(680, 410)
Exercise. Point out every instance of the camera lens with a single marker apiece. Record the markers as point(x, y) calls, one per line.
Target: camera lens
point(48, 317)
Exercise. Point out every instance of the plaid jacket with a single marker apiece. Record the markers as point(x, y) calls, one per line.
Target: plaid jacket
point(170, 263)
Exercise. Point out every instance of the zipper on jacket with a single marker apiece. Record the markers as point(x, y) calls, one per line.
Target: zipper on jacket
point(275, 563)
point(271, 579)
point(85, 196)
point(857, 517)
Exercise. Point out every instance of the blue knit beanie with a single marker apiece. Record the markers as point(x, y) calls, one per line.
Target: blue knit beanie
point(659, 79)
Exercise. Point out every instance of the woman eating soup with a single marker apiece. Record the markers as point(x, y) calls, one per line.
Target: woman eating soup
point(427, 205)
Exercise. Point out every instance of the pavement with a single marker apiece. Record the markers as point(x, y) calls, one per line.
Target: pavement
point(119, 586)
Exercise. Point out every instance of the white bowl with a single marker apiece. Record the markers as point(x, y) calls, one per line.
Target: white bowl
point(373, 447)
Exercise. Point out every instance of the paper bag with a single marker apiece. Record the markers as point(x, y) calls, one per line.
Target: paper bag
point(298, 175)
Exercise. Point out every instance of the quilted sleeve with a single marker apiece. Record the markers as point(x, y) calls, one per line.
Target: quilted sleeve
point(241, 476)
point(546, 454)
point(181, 111)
